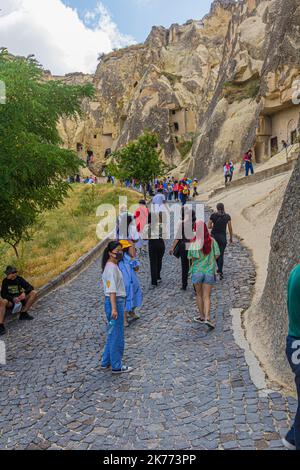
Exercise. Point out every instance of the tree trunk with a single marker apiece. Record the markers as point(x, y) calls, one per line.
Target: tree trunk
point(15, 250)
point(144, 191)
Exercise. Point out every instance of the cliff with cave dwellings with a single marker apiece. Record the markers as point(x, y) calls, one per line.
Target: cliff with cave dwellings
point(211, 89)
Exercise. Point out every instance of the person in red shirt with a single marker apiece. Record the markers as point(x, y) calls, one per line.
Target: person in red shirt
point(176, 190)
point(141, 216)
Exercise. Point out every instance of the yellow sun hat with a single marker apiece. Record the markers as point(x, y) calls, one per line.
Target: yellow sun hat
point(125, 244)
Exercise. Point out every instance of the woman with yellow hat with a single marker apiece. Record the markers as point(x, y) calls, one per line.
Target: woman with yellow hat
point(129, 267)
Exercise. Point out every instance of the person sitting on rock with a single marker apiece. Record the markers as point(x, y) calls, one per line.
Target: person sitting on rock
point(17, 294)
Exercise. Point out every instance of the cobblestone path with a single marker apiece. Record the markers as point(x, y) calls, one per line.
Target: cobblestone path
point(191, 388)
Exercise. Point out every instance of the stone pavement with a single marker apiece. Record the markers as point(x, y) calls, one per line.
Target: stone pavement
point(190, 389)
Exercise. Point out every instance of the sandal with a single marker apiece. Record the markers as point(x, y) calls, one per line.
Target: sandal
point(199, 320)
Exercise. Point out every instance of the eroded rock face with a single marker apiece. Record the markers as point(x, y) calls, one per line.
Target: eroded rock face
point(162, 85)
point(268, 322)
point(218, 81)
point(252, 104)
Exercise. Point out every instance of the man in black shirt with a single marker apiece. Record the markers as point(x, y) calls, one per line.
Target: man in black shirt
point(218, 225)
point(15, 290)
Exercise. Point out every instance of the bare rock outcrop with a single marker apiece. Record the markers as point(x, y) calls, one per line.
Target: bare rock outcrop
point(163, 85)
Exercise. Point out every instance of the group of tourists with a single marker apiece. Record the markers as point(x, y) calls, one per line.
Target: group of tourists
point(177, 189)
point(199, 247)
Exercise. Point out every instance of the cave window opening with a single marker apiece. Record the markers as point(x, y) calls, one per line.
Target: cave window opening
point(176, 126)
point(294, 137)
point(79, 147)
point(135, 85)
point(173, 112)
point(274, 146)
point(95, 136)
point(107, 153)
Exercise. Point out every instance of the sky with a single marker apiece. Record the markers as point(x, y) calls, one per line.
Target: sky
point(68, 35)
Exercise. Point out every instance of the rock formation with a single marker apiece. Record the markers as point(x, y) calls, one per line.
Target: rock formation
point(252, 105)
point(162, 85)
point(223, 84)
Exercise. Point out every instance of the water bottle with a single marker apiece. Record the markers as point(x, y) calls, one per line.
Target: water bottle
point(111, 326)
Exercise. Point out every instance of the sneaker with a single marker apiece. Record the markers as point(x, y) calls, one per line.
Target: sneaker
point(25, 316)
point(105, 367)
point(288, 445)
point(159, 281)
point(210, 324)
point(199, 320)
point(124, 370)
point(2, 330)
point(134, 316)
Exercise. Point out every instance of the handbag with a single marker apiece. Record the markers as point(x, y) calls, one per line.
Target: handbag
point(177, 249)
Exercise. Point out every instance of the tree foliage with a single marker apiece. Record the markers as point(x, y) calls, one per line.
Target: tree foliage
point(139, 160)
point(33, 166)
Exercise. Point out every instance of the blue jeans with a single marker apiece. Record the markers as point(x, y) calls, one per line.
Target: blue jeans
point(293, 355)
point(249, 167)
point(115, 342)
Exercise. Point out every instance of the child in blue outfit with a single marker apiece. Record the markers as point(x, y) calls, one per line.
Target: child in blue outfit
point(129, 267)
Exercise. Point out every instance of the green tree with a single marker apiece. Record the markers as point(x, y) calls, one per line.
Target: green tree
point(140, 160)
point(33, 166)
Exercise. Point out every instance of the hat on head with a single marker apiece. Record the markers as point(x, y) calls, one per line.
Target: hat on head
point(10, 270)
point(125, 244)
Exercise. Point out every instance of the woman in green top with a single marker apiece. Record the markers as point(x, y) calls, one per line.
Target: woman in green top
point(203, 253)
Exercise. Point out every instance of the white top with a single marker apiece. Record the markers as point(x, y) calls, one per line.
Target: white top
point(159, 203)
point(159, 199)
point(113, 280)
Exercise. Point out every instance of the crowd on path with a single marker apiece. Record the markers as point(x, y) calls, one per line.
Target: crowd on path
point(200, 247)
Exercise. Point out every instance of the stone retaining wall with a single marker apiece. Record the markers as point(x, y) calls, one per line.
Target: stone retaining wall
point(258, 177)
point(268, 322)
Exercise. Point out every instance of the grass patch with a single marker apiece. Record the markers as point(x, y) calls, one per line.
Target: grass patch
point(64, 234)
point(233, 91)
point(185, 146)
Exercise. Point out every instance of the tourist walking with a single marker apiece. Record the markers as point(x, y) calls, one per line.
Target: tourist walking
point(159, 202)
point(232, 169)
point(203, 253)
point(157, 247)
point(126, 229)
point(292, 439)
point(176, 191)
point(184, 235)
point(129, 266)
point(218, 223)
point(249, 163)
point(141, 219)
point(185, 193)
point(195, 188)
point(115, 296)
point(227, 173)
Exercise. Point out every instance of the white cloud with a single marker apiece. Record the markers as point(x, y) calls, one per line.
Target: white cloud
point(57, 36)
